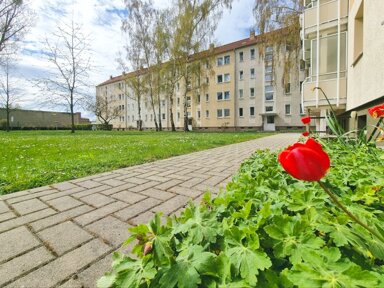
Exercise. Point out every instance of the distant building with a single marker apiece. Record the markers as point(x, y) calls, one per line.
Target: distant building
point(241, 93)
point(41, 119)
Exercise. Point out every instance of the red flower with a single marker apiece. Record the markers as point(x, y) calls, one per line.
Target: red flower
point(305, 133)
point(377, 111)
point(306, 161)
point(306, 119)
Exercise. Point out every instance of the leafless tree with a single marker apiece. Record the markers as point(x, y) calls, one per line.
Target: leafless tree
point(68, 51)
point(15, 19)
point(9, 93)
point(105, 110)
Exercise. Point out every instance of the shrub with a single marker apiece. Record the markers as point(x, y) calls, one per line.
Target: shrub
point(268, 230)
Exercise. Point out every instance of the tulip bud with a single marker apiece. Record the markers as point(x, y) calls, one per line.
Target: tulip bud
point(147, 248)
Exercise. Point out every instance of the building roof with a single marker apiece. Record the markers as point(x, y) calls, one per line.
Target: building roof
point(252, 40)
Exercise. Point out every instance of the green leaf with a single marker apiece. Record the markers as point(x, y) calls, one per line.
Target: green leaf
point(106, 281)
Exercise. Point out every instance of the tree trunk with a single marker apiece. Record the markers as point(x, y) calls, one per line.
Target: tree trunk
point(72, 117)
point(171, 114)
point(8, 112)
point(159, 101)
point(139, 112)
point(186, 107)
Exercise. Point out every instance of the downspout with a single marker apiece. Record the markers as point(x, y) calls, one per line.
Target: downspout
point(317, 52)
point(338, 55)
point(235, 121)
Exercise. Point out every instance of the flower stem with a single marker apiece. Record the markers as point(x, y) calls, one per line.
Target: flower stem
point(353, 217)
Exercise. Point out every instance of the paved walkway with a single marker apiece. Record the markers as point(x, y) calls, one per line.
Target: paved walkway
point(62, 235)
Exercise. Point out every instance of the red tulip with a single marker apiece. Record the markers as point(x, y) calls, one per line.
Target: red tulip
point(306, 161)
point(377, 111)
point(305, 133)
point(306, 119)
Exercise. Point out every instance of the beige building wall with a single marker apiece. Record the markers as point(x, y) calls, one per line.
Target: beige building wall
point(366, 52)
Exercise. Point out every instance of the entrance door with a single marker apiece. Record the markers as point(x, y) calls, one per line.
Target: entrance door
point(269, 123)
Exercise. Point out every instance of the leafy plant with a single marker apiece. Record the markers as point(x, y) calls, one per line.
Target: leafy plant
point(268, 230)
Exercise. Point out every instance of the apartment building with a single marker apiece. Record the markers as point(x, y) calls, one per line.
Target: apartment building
point(240, 92)
point(343, 44)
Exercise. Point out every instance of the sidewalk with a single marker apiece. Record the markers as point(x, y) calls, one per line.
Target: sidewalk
point(62, 235)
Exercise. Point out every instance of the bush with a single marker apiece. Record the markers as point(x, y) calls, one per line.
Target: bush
point(268, 230)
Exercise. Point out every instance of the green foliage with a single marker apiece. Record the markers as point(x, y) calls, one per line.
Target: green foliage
point(269, 230)
point(30, 159)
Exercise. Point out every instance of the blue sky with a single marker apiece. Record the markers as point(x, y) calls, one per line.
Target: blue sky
point(100, 20)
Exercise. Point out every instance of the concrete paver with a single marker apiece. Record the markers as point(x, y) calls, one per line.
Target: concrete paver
point(63, 235)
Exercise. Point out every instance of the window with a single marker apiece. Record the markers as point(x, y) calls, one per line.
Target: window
point(146, 117)
point(122, 107)
point(219, 113)
point(268, 69)
point(251, 111)
point(206, 97)
point(163, 116)
point(287, 88)
point(268, 108)
point(241, 113)
point(269, 96)
point(219, 78)
point(241, 56)
point(241, 93)
point(162, 103)
point(227, 77)
point(133, 118)
point(219, 96)
point(198, 99)
point(252, 92)
point(227, 59)
point(188, 101)
point(241, 75)
point(206, 113)
point(178, 116)
point(226, 95)
point(198, 114)
point(268, 77)
point(220, 61)
point(268, 58)
point(177, 86)
point(268, 88)
point(226, 112)
point(223, 60)
point(252, 53)
point(287, 109)
point(207, 80)
point(178, 101)
point(268, 49)
point(128, 118)
point(270, 119)
point(252, 73)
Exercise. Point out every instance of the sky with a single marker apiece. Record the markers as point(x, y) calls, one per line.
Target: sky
point(101, 21)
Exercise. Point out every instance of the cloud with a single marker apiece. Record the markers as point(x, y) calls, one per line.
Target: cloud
point(101, 20)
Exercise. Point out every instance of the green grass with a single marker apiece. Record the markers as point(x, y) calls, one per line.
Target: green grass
point(30, 159)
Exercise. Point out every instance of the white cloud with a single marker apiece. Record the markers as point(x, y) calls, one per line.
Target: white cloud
point(100, 20)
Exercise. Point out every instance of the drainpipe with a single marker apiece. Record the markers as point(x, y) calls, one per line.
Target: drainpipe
point(338, 55)
point(317, 52)
point(235, 121)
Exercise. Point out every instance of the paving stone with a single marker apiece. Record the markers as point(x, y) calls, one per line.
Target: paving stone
point(171, 205)
point(118, 189)
point(89, 277)
point(7, 225)
point(15, 242)
point(192, 182)
point(7, 215)
point(91, 191)
point(64, 186)
point(59, 194)
point(110, 229)
point(214, 180)
point(144, 186)
point(3, 207)
point(29, 206)
point(166, 185)
point(63, 267)
point(191, 193)
point(60, 217)
point(23, 264)
point(136, 180)
point(64, 203)
point(100, 213)
point(128, 197)
point(14, 195)
point(158, 178)
point(97, 200)
point(142, 218)
point(89, 184)
point(113, 182)
point(64, 237)
point(137, 208)
point(31, 196)
point(158, 194)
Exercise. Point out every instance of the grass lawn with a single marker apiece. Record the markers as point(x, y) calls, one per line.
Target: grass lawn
point(31, 159)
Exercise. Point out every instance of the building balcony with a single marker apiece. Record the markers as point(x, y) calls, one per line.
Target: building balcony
point(312, 99)
point(328, 14)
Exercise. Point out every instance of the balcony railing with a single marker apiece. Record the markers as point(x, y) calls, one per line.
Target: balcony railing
point(328, 12)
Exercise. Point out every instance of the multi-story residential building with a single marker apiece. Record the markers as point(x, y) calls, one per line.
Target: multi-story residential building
point(343, 52)
point(240, 92)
